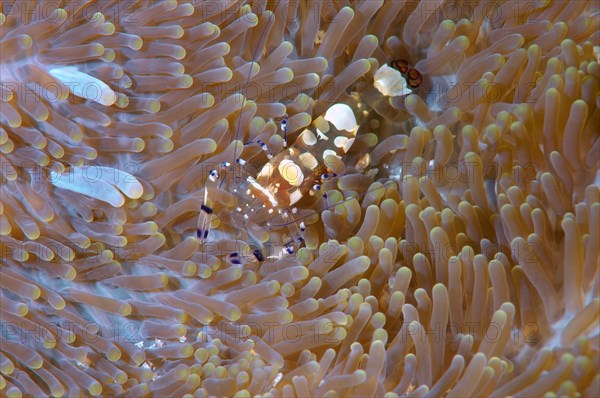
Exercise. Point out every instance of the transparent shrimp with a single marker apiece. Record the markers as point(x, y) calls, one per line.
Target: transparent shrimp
point(266, 200)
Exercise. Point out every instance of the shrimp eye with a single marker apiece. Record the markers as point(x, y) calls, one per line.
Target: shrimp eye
point(400, 64)
point(414, 78)
point(414, 74)
point(213, 175)
point(415, 83)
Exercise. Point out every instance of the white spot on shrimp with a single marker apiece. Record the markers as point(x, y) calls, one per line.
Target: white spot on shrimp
point(329, 152)
point(309, 160)
point(291, 172)
point(342, 117)
point(390, 82)
point(308, 137)
point(321, 135)
point(348, 145)
point(340, 141)
point(295, 196)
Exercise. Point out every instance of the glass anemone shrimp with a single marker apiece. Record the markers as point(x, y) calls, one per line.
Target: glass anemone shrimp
point(265, 200)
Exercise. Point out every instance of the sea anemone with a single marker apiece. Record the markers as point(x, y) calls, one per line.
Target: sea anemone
point(453, 249)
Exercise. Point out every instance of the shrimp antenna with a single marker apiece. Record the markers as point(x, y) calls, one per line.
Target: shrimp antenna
point(206, 212)
point(253, 61)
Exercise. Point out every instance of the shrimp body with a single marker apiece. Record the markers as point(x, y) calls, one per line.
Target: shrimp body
point(265, 199)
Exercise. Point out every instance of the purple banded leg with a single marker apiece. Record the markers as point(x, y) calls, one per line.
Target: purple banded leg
point(203, 224)
point(284, 130)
